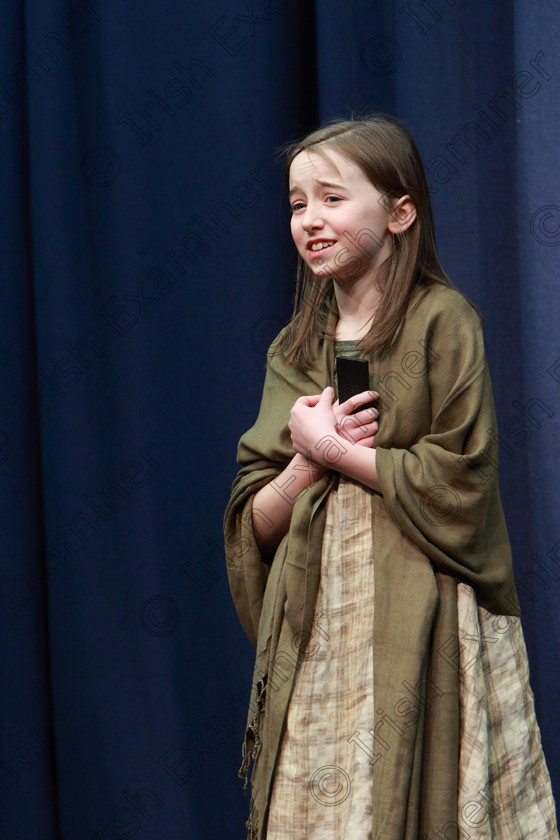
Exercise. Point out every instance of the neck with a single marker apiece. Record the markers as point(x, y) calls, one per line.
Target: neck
point(357, 303)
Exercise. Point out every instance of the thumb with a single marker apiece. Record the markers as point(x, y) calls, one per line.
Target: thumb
point(327, 395)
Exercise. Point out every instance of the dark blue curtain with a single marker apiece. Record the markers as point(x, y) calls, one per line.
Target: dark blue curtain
point(147, 265)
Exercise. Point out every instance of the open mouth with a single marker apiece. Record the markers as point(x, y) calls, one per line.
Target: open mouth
point(320, 248)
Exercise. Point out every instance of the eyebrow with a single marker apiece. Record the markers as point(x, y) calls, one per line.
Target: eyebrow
point(323, 184)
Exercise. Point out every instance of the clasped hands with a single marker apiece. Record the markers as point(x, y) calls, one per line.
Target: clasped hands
point(321, 430)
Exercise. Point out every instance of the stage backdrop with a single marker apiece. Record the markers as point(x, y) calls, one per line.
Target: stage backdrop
point(147, 264)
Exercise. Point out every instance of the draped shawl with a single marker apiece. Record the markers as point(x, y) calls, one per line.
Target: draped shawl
point(439, 520)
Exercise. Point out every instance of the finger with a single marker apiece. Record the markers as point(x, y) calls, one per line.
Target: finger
point(368, 428)
point(358, 399)
point(354, 431)
point(327, 395)
point(361, 419)
point(364, 397)
point(364, 413)
point(309, 400)
point(367, 442)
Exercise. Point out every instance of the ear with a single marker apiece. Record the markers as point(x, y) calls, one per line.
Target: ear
point(403, 214)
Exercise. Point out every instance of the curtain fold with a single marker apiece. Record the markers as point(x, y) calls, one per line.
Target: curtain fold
point(147, 265)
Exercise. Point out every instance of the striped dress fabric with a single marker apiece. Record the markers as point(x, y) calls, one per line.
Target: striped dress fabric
point(323, 786)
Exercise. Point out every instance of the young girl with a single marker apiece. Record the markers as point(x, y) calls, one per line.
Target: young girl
point(367, 551)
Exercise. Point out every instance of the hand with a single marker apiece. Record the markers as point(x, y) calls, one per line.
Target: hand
point(359, 428)
point(312, 426)
point(320, 430)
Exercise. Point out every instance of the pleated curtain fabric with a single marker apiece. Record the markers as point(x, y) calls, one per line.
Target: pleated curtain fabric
point(146, 266)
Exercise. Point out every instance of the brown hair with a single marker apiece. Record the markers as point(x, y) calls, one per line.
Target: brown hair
point(387, 154)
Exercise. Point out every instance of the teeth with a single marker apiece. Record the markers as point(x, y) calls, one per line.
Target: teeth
point(317, 246)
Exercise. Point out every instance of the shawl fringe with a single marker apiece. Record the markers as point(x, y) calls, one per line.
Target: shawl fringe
point(252, 736)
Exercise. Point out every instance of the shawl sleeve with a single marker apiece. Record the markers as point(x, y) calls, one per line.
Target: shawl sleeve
point(262, 453)
point(443, 490)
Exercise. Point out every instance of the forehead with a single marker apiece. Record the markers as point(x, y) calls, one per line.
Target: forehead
point(310, 166)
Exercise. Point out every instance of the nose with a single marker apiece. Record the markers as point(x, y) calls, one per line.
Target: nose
point(312, 218)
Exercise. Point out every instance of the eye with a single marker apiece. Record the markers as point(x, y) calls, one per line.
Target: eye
point(333, 198)
point(297, 205)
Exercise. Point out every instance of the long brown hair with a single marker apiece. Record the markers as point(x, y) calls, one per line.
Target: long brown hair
point(387, 154)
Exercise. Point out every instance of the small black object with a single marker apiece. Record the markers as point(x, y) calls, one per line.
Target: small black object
point(352, 377)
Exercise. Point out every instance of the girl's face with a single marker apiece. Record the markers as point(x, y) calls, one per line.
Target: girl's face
point(339, 223)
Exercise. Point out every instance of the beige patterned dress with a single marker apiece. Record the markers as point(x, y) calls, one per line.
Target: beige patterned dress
point(323, 783)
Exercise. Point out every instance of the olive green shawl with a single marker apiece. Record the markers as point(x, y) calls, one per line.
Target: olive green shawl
point(439, 520)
